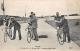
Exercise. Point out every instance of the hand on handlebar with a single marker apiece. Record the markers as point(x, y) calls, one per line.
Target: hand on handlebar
point(29, 23)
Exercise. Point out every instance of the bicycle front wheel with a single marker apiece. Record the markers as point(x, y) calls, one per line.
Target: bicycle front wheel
point(11, 33)
point(5, 37)
point(60, 35)
point(29, 36)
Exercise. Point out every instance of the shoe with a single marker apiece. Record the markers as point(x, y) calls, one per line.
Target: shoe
point(20, 38)
point(13, 39)
point(68, 41)
point(36, 39)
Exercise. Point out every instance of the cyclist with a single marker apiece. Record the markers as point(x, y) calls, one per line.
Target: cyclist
point(58, 20)
point(61, 22)
point(33, 24)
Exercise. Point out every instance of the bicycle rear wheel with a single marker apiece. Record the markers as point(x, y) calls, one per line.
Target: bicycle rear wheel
point(29, 36)
point(60, 35)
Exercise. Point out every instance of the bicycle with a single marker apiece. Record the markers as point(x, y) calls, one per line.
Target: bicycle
point(29, 34)
point(8, 33)
point(60, 35)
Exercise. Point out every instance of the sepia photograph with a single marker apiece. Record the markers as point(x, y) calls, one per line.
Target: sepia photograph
point(41, 25)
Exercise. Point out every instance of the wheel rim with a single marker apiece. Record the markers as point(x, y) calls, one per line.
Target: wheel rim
point(60, 37)
point(29, 37)
point(11, 32)
point(5, 37)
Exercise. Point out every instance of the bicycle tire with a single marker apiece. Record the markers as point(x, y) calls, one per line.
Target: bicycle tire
point(5, 37)
point(11, 33)
point(29, 36)
point(60, 37)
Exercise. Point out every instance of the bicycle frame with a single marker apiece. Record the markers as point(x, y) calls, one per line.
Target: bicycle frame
point(29, 34)
point(60, 35)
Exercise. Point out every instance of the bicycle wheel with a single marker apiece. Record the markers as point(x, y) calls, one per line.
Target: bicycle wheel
point(29, 36)
point(60, 36)
point(11, 33)
point(5, 36)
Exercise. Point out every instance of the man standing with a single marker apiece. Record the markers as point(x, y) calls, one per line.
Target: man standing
point(62, 22)
point(33, 22)
point(17, 27)
point(65, 29)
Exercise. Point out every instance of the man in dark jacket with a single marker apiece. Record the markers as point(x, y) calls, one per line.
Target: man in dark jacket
point(66, 29)
point(33, 22)
point(62, 22)
point(16, 27)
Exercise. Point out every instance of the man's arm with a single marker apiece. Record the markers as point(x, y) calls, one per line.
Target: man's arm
point(33, 19)
point(59, 21)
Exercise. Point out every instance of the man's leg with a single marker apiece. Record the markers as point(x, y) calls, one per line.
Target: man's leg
point(35, 33)
point(68, 36)
point(19, 32)
point(64, 36)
